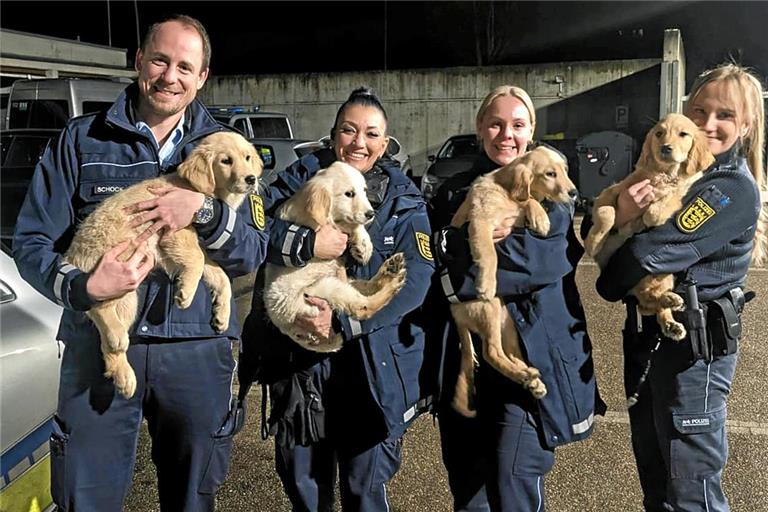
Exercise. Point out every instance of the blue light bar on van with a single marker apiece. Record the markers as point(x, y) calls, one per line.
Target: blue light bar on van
point(233, 109)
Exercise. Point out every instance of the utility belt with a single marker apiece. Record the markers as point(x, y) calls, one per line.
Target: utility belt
point(714, 326)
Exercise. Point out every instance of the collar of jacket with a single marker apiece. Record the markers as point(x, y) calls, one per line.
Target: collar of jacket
point(197, 120)
point(730, 158)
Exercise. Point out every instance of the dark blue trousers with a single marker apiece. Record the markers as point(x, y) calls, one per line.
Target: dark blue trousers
point(184, 392)
point(678, 427)
point(308, 474)
point(501, 448)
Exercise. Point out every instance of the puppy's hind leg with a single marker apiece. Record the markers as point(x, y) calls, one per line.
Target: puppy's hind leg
point(113, 319)
point(221, 294)
point(510, 343)
point(464, 394)
point(183, 258)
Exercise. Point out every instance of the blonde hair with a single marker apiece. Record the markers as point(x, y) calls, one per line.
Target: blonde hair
point(747, 88)
point(506, 90)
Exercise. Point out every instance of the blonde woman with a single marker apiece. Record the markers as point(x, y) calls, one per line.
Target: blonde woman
point(678, 422)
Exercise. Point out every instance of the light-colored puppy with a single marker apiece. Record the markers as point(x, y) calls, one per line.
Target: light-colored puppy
point(224, 165)
point(506, 197)
point(674, 155)
point(335, 196)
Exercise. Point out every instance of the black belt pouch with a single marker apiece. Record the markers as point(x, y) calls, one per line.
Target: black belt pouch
point(724, 326)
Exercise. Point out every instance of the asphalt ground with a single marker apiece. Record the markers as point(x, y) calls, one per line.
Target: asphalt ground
point(597, 474)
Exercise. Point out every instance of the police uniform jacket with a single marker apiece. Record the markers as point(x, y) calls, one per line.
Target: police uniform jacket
point(95, 156)
point(709, 240)
point(390, 345)
point(536, 279)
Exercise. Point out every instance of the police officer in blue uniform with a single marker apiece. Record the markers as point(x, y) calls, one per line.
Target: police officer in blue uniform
point(498, 460)
point(184, 368)
point(348, 410)
point(681, 389)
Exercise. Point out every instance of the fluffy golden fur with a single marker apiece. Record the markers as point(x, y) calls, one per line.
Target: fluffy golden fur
point(506, 197)
point(674, 156)
point(223, 165)
point(334, 196)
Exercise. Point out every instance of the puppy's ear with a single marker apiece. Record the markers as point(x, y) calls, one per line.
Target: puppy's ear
point(646, 154)
point(699, 157)
point(310, 206)
point(521, 182)
point(197, 169)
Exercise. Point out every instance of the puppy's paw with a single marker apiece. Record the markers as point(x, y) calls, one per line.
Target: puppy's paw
point(220, 319)
point(539, 223)
point(395, 264)
point(533, 383)
point(184, 295)
point(673, 330)
point(361, 249)
point(672, 301)
point(124, 379)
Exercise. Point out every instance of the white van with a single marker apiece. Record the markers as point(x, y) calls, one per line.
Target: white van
point(51, 102)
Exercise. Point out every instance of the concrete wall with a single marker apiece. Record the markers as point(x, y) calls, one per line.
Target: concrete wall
point(424, 106)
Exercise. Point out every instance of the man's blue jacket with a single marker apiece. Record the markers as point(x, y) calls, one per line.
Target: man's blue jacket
point(95, 156)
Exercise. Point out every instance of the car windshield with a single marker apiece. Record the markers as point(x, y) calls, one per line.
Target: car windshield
point(455, 148)
point(20, 154)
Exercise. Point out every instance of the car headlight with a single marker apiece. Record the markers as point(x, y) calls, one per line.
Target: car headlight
point(428, 185)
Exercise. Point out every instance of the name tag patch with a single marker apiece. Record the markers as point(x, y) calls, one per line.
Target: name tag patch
point(693, 216)
point(389, 240)
point(107, 189)
point(422, 242)
point(257, 211)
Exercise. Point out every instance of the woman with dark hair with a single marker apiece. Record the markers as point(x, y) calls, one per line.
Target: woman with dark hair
point(345, 412)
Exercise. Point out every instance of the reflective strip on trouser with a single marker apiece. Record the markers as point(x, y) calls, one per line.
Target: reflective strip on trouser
point(307, 474)
point(184, 390)
point(519, 461)
point(679, 439)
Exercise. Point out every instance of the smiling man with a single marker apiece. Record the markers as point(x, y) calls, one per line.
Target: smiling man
point(184, 367)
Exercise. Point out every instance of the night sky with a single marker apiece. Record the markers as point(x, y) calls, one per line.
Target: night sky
point(290, 37)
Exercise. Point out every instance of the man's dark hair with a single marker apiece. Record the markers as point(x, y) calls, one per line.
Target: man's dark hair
point(188, 21)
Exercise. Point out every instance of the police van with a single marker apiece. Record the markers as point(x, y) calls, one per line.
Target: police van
point(51, 102)
point(252, 122)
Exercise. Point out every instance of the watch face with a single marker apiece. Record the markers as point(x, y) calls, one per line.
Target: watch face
point(205, 213)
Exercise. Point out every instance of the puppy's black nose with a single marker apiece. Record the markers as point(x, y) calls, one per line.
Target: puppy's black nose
point(573, 193)
point(666, 150)
point(250, 179)
point(369, 214)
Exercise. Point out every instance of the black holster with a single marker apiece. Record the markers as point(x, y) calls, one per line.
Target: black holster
point(724, 322)
point(298, 414)
point(695, 322)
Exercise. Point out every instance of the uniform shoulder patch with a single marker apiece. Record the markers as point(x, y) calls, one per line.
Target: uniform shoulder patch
point(694, 215)
point(423, 243)
point(257, 211)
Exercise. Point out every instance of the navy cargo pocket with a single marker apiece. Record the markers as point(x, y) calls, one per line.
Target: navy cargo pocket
point(699, 447)
point(221, 449)
point(408, 360)
point(58, 442)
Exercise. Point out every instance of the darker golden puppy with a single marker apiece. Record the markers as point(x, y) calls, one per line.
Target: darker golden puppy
point(224, 165)
point(507, 197)
point(674, 156)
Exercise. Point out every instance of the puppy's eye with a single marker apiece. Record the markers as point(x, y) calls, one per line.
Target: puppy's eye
point(349, 193)
point(659, 134)
point(551, 174)
point(247, 158)
point(685, 134)
point(226, 160)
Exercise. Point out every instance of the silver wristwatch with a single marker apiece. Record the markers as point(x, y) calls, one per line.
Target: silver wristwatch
point(205, 214)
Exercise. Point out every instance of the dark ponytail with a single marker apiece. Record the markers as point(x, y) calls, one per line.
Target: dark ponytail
point(361, 96)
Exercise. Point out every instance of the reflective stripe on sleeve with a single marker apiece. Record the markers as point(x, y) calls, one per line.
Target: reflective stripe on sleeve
point(228, 229)
point(355, 327)
point(288, 243)
point(450, 293)
point(58, 283)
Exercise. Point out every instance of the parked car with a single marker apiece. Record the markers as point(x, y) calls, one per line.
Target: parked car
point(253, 123)
point(456, 155)
point(20, 150)
point(277, 154)
point(51, 102)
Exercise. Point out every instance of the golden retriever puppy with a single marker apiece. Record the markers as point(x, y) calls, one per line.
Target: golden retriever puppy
point(223, 165)
point(336, 196)
point(674, 156)
point(506, 197)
